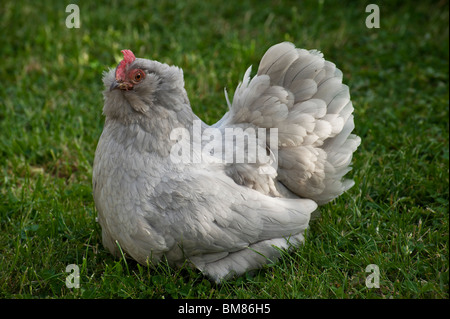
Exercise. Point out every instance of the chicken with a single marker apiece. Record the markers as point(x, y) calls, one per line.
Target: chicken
point(225, 198)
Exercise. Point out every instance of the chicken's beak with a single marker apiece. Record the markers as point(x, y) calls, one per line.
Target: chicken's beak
point(118, 84)
point(114, 85)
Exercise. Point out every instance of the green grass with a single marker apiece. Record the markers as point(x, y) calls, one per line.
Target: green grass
point(397, 215)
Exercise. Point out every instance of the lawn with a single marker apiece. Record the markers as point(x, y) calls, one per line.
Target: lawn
point(395, 217)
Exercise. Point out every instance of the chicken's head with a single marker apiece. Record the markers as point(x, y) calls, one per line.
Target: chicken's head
point(127, 77)
point(142, 86)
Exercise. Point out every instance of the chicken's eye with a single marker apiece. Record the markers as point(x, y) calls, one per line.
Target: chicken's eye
point(139, 76)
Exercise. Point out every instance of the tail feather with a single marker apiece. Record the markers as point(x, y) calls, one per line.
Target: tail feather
point(301, 94)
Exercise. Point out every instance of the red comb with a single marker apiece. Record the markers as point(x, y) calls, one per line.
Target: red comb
point(128, 57)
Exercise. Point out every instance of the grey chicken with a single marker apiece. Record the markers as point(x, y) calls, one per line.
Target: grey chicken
point(220, 197)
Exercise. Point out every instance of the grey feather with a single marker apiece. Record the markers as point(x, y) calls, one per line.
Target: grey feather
point(223, 217)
